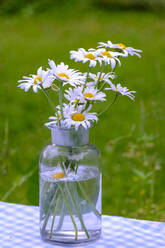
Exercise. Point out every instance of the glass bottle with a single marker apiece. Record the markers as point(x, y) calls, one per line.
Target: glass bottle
point(70, 188)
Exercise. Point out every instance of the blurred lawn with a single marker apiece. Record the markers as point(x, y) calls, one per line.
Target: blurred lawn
point(130, 135)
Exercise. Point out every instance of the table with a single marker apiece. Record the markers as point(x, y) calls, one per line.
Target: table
point(19, 228)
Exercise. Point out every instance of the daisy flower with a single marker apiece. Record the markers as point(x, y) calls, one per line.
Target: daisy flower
point(55, 120)
point(129, 50)
point(66, 75)
point(107, 44)
point(78, 95)
point(108, 57)
point(75, 117)
point(57, 117)
point(92, 94)
point(104, 77)
point(122, 91)
point(73, 95)
point(126, 50)
point(43, 77)
point(85, 56)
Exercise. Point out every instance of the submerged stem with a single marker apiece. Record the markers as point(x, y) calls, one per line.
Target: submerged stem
point(69, 210)
point(77, 164)
point(55, 212)
point(77, 210)
point(45, 187)
point(49, 212)
point(63, 167)
point(88, 200)
point(60, 223)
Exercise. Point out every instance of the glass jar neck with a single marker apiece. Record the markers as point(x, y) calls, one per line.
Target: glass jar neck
point(69, 137)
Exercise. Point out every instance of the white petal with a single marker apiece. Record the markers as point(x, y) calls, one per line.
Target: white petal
point(39, 71)
point(113, 63)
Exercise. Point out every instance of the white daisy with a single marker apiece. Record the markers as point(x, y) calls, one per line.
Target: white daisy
point(108, 57)
point(129, 50)
point(122, 91)
point(76, 118)
point(104, 77)
point(43, 77)
point(92, 94)
point(73, 95)
point(54, 120)
point(122, 47)
point(57, 118)
point(66, 75)
point(105, 44)
point(85, 56)
point(78, 95)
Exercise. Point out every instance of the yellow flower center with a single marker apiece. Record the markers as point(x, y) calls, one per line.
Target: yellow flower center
point(58, 175)
point(89, 95)
point(59, 116)
point(122, 45)
point(37, 78)
point(100, 78)
point(63, 75)
point(78, 117)
point(106, 53)
point(90, 56)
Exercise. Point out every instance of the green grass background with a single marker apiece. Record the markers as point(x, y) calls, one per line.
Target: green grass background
point(130, 135)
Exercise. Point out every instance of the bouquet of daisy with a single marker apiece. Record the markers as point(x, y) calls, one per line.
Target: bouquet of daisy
point(70, 176)
point(85, 89)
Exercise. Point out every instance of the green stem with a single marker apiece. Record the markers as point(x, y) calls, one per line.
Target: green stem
point(48, 98)
point(102, 86)
point(77, 210)
point(61, 217)
point(63, 167)
point(109, 105)
point(49, 211)
point(88, 200)
point(76, 167)
point(87, 106)
point(69, 210)
point(100, 74)
point(86, 78)
point(45, 187)
point(87, 73)
point(60, 100)
point(55, 212)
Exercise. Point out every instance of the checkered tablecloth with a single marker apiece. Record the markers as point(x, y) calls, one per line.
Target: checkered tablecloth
point(19, 228)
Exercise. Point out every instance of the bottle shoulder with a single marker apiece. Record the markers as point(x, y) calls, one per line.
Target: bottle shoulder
point(53, 147)
point(51, 151)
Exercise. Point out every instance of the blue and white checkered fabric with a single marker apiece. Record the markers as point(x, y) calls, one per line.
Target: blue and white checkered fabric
point(19, 228)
